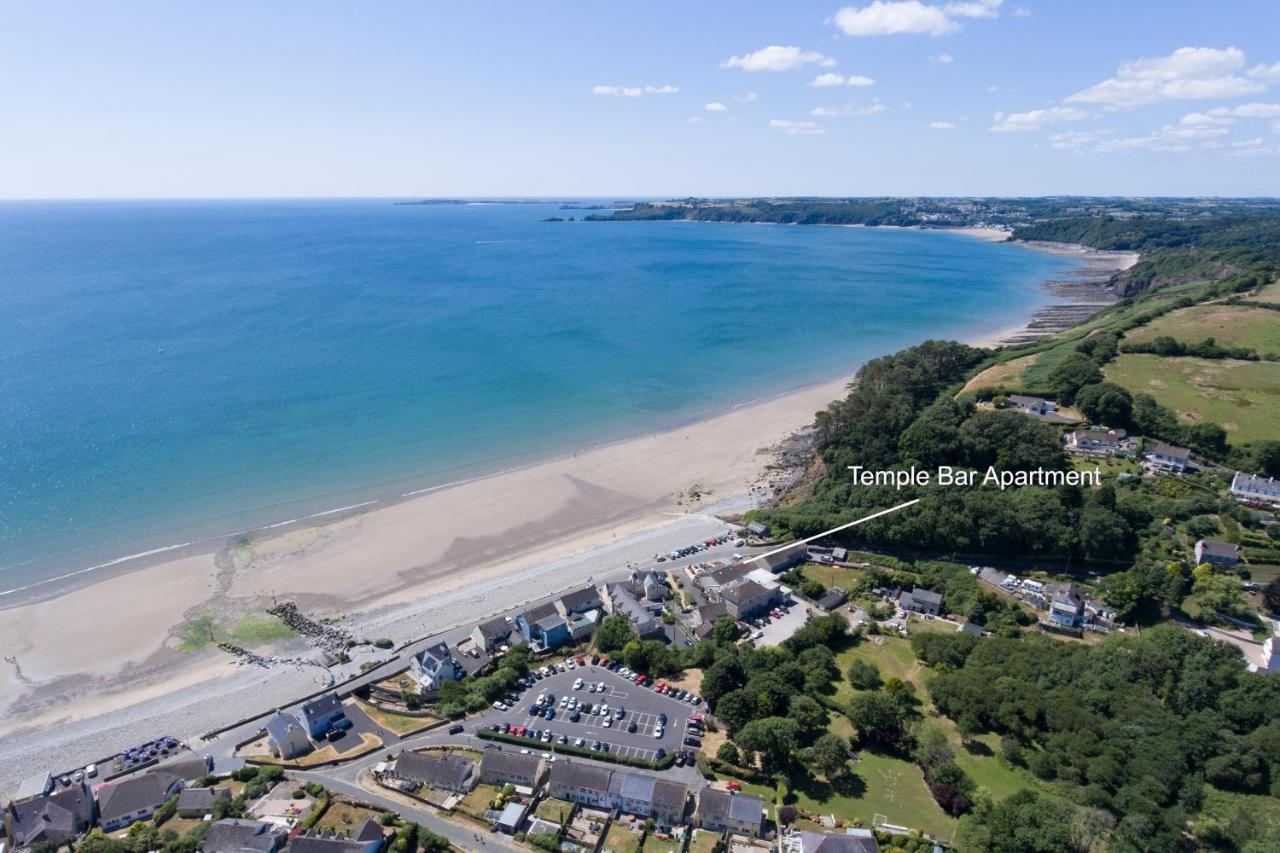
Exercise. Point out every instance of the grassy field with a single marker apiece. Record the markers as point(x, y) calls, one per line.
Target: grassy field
point(251, 631)
point(1270, 293)
point(885, 785)
point(1005, 375)
point(702, 841)
point(1229, 325)
point(1223, 807)
point(893, 656)
point(654, 844)
point(556, 811)
point(1242, 396)
point(343, 816)
point(830, 576)
point(621, 839)
point(477, 800)
point(401, 724)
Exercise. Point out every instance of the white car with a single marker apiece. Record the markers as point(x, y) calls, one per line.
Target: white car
point(608, 723)
point(604, 708)
point(497, 706)
point(579, 742)
point(91, 770)
point(601, 687)
point(577, 685)
point(657, 733)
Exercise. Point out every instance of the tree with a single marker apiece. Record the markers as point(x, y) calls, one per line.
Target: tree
point(811, 718)
point(775, 738)
point(1103, 533)
point(787, 815)
point(725, 630)
point(735, 709)
point(1106, 403)
point(864, 675)
point(723, 676)
point(728, 753)
point(831, 754)
point(877, 717)
point(1219, 593)
point(1073, 373)
point(614, 633)
point(1271, 595)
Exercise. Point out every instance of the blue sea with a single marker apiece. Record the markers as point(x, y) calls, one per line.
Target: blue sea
point(171, 371)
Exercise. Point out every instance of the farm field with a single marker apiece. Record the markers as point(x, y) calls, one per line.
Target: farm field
point(1229, 325)
point(1008, 374)
point(1270, 293)
point(1242, 396)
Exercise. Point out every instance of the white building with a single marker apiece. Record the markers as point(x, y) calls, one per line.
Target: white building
point(1251, 488)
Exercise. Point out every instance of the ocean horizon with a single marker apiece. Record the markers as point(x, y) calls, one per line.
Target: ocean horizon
point(176, 371)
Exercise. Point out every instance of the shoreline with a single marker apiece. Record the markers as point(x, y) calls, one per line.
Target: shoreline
point(400, 567)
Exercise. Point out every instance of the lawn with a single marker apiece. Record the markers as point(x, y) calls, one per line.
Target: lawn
point(477, 800)
point(1242, 396)
point(401, 724)
point(892, 655)
point(654, 844)
point(1270, 293)
point(1229, 325)
point(344, 816)
point(830, 576)
point(884, 785)
point(1007, 374)
point(978, 759)
point(621, 839)
point(1264, 573)
point(556, 811)
point(251, 631)
point(703, 841)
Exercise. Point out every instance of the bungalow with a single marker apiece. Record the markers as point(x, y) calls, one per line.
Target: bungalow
point(544, 627)
point(198, 802)
point(123, 803)
point(724, 811)
point(782, 559)
point(58, 817)
point(757, 530)
point(436, 769)
point(747, 599)
point(319, 715)
point(921, 601)
point(1251, 488)
point(833, 598)
point(852, 840)
point(648, 796)
point(1066, 608)
point(1217, 553)
point(367, 838)
point(511, 768)
point(1096, 442)
point(1040, 409)
point(1167, 458)
point(236, 835)
point(286, 737)
point(581, 783)
point(492, 634)
point(433, 667)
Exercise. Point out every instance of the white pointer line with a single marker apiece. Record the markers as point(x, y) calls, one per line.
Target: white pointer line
point(838, 529)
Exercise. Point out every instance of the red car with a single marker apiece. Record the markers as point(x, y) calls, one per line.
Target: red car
point(581, 662)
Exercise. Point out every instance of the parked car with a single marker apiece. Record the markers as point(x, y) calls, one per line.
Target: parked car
point(693, 742)
point(456, 729)
point(632, 727)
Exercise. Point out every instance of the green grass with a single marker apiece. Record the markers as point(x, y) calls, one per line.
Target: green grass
point(198, 633)
point(1242, 396)
point(251, 631)
point(885, 785)
point(556, 811)
point(980, 762)
point(702, 841)
point(1223, 807)
point(830, 576)
point(1264, 573)
point(654, 844)
point(1229, 325)
point(621, 840)
point(1270, 293)
point(894, 658)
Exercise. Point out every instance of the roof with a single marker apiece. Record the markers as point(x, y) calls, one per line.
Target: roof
point(781, 558)
point(494, 629)
point(434, 657)
point(187, 766)
point(581, 599)
point(925, 596)
point(757, 527)
point(1069, 596)
point(713, 611)
point(279, 725)
point(743, 808)
point(1169, 450)
point(511, 814)
point(1024, 400)
point(370, 830)
point(670, 794)
point(745, 591)
point(33, 786)
point(583, 776)
point(318, 844)
point(852, 841)
point(439, 769)
point(58, 813)
point(509, 763)
point(322, 705)
point(1252, 482)
point(201, 798)
point(649, 789)
point(970, 628)
point(540, 611)
point(1113, 437)
point(548, 623)
point(131, 795)
point(236, 835)
point(834, 598)
point(1214, 548)
point(725, 574)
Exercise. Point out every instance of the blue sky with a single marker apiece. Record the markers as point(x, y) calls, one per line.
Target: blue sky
point(238, 99)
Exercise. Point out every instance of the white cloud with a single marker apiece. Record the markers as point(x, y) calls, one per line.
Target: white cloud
point(993, 88)
point(1022, 12)
point(895, 17)
point(633, 91)
point(1035, 119)
point(715, 107)
point(833, 79)
point(1188, 73)
point(1265, 72)
point(696, 120)
point(941, 59)
point(1170, 139)
point(797, 128)
point(1192, 119)
point(865, 110)
point(778, 58)
point(1254, 110)
point(747, 98)
point(940, 125)
point(1075, 140)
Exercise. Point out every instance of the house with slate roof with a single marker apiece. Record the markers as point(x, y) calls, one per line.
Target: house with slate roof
point(321, 713)
point(58, 817)
point(725, 811)
point(123, 803)
point(236, 835)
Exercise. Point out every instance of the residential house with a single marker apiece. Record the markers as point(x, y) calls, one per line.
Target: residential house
point(436, 769)
point(712, 582)
point(544, 627)
point(286, 736)
point(1269, 662)
point(579, 601)
point(1251, 488)
point(236, 835)
point(187, 766)
point(57, 817)
point(648, 796)
point(782, 559)
point(839, 554)
point(1098, 611)
point(581, 783)
point(319, 715)
point(1167, 458)
point(757, 530)
point(197, 802)
point(492, 634)
point(1040, 409)
point(1217, 553)
point(921, 601)
point(748, 599)
point(433, 667)
point(1066, 607)
point(623, 601)
point(33, 786)
point(369, 837)
point(832, 599)
point(852, 840)
point(725, 811)
point(649, 585)
point(123, 803)
point(1097, 442)
point(970, 628)
point(498, 767)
